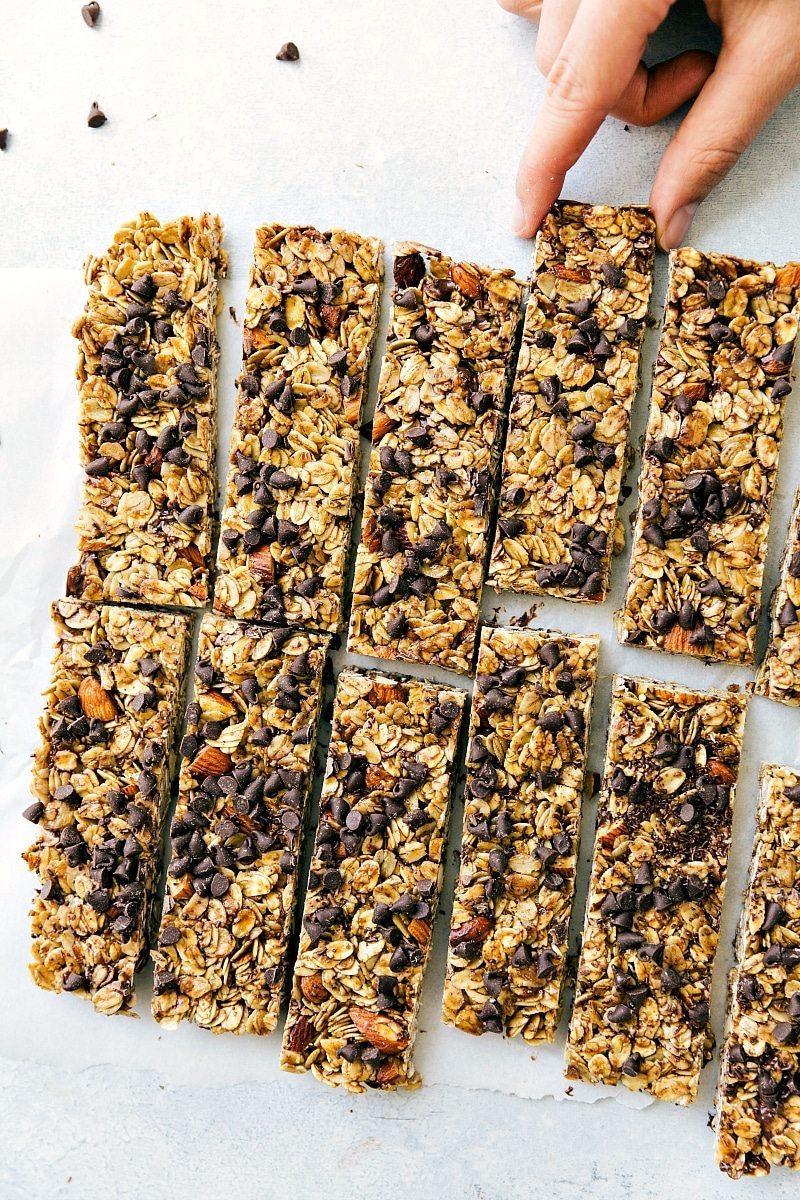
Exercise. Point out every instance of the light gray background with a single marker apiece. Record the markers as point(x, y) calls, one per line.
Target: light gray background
point(403, 119)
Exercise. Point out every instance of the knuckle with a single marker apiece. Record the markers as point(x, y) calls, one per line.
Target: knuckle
point(544, 56)
point(567, 88)
point(716, 161)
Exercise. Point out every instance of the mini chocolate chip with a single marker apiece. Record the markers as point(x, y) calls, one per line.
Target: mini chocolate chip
point(96, 116)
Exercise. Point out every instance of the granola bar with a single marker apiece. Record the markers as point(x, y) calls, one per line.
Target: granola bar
point(435, 449)
point(147, 379)
point(576, 381)
point(710, 457)
point(101, 783)
point(529, 731)
point(374, 882)
point(248, 763)
point(310, 324)
point(658, 874)
point(779, 674)
point(758, 1099)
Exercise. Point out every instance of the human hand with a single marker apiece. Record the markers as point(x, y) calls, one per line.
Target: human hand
point(591, 50)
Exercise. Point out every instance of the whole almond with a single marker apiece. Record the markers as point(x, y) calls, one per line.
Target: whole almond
point(574, 274)
point(95, 700)
point(301, 1035)
point(211, 761)
point(474, 930)
point(331, 316)
point(420, 930)
point(387, 1073)
point(384, 1033)
point(678, 640)
point(352, 410)
point(381, 425)
point(215, 706)
point(386, 693)
point(313, 988)
point(466, 279)
point(408, 270)
point(788, 276)
point(262, 564)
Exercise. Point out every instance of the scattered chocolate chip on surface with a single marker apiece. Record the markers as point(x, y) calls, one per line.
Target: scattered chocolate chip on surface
point(288, 53)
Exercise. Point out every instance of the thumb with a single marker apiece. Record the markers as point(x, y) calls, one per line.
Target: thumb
point(745, 88)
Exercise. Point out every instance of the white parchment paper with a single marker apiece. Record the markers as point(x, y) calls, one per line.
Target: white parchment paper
point(39, 490)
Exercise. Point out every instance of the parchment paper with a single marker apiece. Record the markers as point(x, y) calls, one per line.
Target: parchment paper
point(39, 491)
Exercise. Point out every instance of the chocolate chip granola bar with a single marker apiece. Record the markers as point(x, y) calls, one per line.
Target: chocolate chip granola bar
point(374, 882)
point(435, 449)
point(710, 457)
point(758, 1098)
point(529, 730)
point(248, 759)
point(147, 379)
point(779, 674)
point(576, 381)
point(655, 895)
point(101, 783)
point(309, 329)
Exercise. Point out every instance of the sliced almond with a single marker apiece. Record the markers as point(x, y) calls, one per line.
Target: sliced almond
point(313, 988)
point(95, 700)
point(211, 761)
point(384, 1033)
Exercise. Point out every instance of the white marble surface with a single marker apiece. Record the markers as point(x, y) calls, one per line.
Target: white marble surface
point(402, 119)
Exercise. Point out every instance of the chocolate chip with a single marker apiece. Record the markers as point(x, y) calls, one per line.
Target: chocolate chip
point(773, 916)
point(34, 812)
point(611, 273)
point(3, 139)
point(288, 53)
point(96, 116)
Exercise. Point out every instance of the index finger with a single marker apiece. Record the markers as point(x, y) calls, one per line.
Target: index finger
point(597, 60)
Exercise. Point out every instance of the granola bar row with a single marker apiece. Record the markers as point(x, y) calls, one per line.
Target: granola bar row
point(576, 380)
point(236, 836)
point(101, 783)
point(529, 730)
point(309, 328)
point(147, 383)
point(435, 448)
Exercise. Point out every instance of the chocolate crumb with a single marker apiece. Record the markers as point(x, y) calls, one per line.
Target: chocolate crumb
point(96, 116)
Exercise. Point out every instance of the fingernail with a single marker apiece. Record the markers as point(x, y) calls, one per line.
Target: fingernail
point(677, 226)
point(518, 222)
